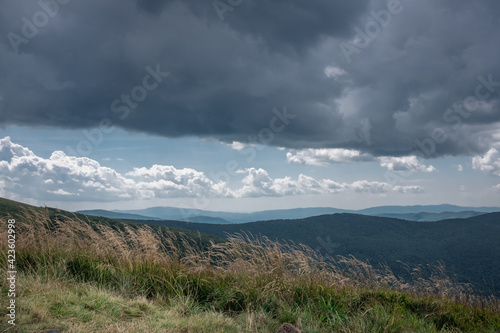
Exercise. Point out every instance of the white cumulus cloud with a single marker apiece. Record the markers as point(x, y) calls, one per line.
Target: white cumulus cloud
point(325, 156)
point(236, 145)
point(372, 187)
point(62, 177)
point(489, 163)
point(405, 163)
point(258, 182)
point(23, 173)
point(409, 189)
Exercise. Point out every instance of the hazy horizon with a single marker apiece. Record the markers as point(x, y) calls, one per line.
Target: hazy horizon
point(128, 207)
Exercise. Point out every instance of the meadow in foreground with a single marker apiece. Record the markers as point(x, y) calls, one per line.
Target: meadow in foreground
point(76, 275)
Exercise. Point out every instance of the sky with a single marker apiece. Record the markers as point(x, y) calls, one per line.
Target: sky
point(247, 105)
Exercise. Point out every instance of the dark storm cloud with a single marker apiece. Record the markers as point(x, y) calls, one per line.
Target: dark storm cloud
point(152, 6)
point(225, 77)
point(287, 25)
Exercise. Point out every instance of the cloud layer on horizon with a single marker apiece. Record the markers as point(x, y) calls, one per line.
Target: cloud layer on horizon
point(225, 77)
point(69, 178)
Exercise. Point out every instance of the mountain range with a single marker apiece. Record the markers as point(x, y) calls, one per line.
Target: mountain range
point(411, 213)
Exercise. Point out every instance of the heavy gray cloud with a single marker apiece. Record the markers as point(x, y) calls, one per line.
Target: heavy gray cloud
point(389, 98)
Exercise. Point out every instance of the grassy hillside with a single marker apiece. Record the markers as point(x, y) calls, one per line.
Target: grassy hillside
point(469, 248)
point(79, 276)
point(13, 209)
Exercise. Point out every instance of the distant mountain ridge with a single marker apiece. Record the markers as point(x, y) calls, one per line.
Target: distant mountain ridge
point(425, 208)
point(412, 213)
point(184, 214)
point(206, 219)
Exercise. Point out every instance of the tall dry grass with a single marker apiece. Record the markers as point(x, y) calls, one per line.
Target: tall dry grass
point(39, 232)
